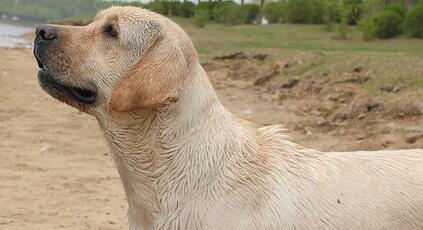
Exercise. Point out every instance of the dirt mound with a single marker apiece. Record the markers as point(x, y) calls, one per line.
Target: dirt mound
point(237, 55)
point(322, 105)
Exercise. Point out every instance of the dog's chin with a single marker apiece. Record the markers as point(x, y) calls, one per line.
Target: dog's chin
point(79, 98)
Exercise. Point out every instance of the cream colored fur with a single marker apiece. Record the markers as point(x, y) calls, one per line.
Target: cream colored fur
point(187, 163)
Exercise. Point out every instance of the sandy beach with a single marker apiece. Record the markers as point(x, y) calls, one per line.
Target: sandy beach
point(55, 170)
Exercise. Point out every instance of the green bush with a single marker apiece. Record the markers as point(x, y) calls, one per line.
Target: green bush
point(305, 11)
point(274, 12)
point(397, 8)
point(161, 7)
point(332, 13)
point(367, 27)
point(136, 4)
point(209, 6)
point(219, 11)
point(413, 23)
point(230, 13)
point(383, 24)
point(174, 8)
point(253, 11)
point(237, 15)
point(317, 11)
point(297, 11)
point(187, 9)
point(352, 11)
point(342, 31)
point(201, 16)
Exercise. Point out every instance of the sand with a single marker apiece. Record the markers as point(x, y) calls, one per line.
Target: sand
point(55, 169)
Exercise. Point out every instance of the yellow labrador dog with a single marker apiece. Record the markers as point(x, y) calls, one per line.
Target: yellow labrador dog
point(187, 163)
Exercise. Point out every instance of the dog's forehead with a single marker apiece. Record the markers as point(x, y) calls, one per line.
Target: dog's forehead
point(123, 13)
point(106, 16)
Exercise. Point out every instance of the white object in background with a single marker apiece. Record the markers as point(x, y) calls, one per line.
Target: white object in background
point(264, 21)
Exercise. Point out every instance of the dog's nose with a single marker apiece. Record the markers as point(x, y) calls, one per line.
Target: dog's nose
point(46, 32)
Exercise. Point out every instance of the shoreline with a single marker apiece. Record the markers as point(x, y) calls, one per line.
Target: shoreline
point(15, 36)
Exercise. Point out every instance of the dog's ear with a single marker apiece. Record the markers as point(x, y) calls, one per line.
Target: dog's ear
point(154, 79)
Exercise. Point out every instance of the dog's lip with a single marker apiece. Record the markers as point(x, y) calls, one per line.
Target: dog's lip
point(52, 85)
point(40, 64)
point(83, 95)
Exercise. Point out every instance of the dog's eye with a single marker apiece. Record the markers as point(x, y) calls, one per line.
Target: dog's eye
point(110, 30)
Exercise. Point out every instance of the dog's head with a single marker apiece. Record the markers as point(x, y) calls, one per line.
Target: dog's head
point(126, 59)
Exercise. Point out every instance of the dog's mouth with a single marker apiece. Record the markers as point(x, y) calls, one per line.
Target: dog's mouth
point(61, 91)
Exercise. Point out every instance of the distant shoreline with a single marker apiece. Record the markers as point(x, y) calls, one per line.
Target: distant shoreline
point(19, 22)
point(15, 35)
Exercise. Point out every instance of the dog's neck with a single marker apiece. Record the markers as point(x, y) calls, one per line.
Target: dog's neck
point(167, 154)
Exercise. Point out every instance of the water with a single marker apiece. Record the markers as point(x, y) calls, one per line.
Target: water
point(9, 36)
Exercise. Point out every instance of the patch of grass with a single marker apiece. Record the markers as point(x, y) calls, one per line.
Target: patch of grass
point(218, 38)
point(394, 62)
point(307, 64)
